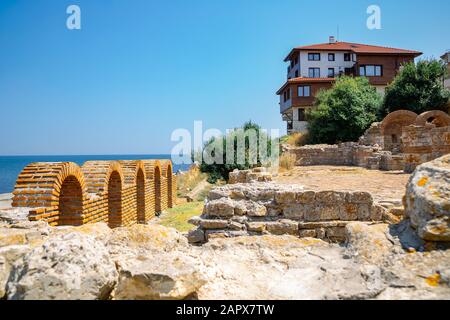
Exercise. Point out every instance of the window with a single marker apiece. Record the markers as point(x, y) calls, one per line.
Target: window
point(301, 115)
point(330, 72)
point(304, 91)
point(287, 95)
point(371, 71)
point(296, 73)
point(347, 56)
point(314, 73)
point(314, 56)
point(331, 57)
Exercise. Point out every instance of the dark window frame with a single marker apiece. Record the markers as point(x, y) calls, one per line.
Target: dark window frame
point(314, 72)
point(301, 114)
point(334, 73)
point(331, 55)
point(313, 55)
point(287, 95)
point(375, 66)
point(303, 95)
point(347, 57)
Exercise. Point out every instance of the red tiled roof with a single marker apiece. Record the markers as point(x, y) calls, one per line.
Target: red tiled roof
point(356, 48)
point(305, 81)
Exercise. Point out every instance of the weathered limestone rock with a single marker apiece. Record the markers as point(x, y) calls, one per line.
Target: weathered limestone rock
point(8, 255)
point(172, 276)
point(196, 236)
point(72, 266)
point(146, 237)
point(259, 227)
point(222, 207)
point(427, 201)
point(213, 224)
point(281, 227)
point(249, 176)
point(254, 209)
point(13, 236)
point(368, 242)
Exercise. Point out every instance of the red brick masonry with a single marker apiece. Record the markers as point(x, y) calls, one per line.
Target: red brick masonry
point(120, 193)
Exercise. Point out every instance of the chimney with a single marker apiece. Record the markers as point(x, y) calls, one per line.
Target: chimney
point(332, 39)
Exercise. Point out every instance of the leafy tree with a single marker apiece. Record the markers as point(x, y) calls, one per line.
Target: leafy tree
point(343, 112)
point(418, 87)
point(217, 146)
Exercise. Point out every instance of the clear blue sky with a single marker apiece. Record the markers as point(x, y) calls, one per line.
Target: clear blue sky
point(139, 69)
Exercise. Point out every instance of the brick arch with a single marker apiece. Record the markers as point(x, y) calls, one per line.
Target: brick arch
point(135, 174)
point(436, 117)
point(39, 184)
point(130, 170)
point(97, 174)
point(391, 128)
point(167, 172)
point(53, 185)
point(106, 178)
point(154, 173)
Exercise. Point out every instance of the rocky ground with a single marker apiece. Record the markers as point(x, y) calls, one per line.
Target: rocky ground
point(407, 260)
point(154, 262)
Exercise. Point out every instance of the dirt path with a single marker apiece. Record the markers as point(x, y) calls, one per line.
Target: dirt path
point(198, 188)
point(385, 186)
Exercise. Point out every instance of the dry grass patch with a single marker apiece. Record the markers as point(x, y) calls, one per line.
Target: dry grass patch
point(287, 161)
point(189, 180)
point(297, 139)
point(178, 217)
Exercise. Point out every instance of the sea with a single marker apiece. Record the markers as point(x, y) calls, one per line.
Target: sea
point(11, 166)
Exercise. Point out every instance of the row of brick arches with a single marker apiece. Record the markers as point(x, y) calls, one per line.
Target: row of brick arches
point(119, 193)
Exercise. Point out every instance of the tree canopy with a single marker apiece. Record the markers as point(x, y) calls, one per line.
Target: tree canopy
point(418, 88)
point(343, 112)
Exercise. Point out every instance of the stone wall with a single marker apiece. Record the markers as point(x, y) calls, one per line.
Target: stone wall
point(266, 208)
point(120, 193)
point(401, 141)
point(424, 143)
point(248, 176)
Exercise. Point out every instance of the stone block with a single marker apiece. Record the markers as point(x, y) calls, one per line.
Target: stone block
point(363, 212)
point(259, 227)
point(307, 233)
point(348, 211)
point(360, 197)
point(282, 227)
point(196, 236)
point(306, 197)
point(213, 224)
point(285, 197)
point(328, 212)
point(330, 197)
point(220, 208)
point(294, 211)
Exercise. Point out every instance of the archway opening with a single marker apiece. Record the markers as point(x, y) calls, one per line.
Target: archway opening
point(115, 200)
point(157, 181)
point(70, 203)
point(169, 186)
point(140, 196)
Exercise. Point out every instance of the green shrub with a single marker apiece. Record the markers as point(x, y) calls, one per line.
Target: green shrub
point(418, 88)
point(218, 171)
point(343, 112)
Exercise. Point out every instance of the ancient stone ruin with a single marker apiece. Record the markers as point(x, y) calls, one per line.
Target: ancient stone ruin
point(402, 141)
point(259, 174)
point(268, 208)
point(120, 193)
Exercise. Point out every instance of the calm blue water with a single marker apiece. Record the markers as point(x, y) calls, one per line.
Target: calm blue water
point(11, 166)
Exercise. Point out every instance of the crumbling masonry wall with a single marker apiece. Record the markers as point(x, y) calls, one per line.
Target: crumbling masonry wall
point(266, 208)
point(120, 193)
point(402, 141)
